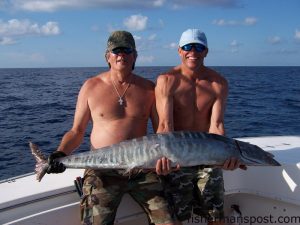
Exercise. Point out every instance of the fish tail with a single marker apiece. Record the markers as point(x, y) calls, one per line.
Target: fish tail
point(41, 161)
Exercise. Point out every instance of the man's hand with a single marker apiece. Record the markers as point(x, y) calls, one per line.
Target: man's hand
point(163, 166)
point(232, 164)
point(54, 166)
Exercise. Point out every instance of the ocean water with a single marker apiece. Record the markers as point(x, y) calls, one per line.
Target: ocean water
point(38, 105)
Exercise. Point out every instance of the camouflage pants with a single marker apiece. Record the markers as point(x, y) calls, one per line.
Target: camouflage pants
point(198, 190)
point(103, 191)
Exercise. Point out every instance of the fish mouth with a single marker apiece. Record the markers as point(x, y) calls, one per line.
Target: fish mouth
point(275, 163)
point(267, 162)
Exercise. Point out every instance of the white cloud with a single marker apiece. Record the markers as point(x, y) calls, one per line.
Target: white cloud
point(55, 5)
point(219, 22)
point(297, 35)
point(248, 21)
point(235, 43)
point(136, 38)
point(145, 43)
point(178, 4)
point(145, 59)
point(50, 28)
point(274, 40)
point(7, 41)
point(152, 37)
point(136, 22)
point(172, 45)
point(223, 22)
point(235, 46)
point(159, 3)
point(44, 6)
point(15, 27)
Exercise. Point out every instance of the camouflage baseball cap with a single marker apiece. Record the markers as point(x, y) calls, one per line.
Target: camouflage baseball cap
point(120, 39)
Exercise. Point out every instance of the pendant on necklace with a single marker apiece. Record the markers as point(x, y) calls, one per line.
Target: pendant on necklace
point(120, 101)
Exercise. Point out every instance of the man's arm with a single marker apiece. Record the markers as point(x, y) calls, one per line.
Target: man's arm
point(73, 138)
point(217, 122)
point(164, 103)
point(218, 109)
point(164, 106)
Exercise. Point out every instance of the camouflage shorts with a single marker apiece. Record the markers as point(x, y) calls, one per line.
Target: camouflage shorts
point(196, 190)
point(103, 191)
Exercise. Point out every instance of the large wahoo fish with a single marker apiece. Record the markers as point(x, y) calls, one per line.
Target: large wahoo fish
point(183, 148)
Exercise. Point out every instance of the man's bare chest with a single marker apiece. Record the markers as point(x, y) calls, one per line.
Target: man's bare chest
point(196, 98)
point(108, 106)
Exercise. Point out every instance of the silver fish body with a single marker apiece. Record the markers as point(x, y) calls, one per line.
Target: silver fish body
point(183, 148)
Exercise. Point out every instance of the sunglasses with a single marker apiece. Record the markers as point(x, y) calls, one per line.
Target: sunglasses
point(197, 47)
point(119, 50)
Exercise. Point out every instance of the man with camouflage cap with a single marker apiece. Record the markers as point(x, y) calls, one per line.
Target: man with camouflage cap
point(119, 104)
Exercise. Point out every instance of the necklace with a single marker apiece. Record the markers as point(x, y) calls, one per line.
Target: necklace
point(121, 101)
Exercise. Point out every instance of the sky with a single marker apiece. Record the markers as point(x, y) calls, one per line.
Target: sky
point(74, 33)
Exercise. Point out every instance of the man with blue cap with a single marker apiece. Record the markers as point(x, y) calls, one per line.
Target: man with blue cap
point(192, 97)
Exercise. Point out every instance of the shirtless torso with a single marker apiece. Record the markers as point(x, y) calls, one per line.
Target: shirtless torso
point(98, 102)
point(113, 122)
point(195, 103)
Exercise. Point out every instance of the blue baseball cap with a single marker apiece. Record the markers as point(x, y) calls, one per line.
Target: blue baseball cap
point(193, 36)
